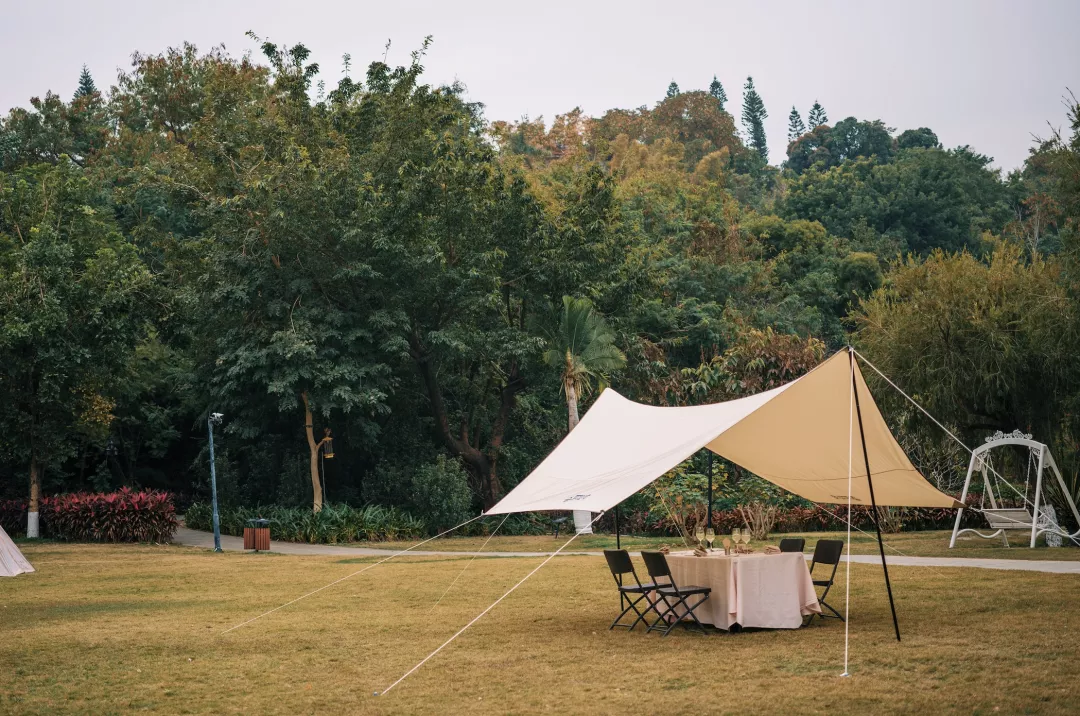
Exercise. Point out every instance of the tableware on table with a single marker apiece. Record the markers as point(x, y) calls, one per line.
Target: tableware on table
point(746, 539)
point(710, 536)
point(772, 549)
point(727, 545)
point(700, 534)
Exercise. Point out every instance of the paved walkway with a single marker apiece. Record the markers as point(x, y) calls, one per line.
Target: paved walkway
point(194, 538)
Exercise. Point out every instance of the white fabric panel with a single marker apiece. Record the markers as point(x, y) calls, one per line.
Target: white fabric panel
point(12, 561)
point(620, 447)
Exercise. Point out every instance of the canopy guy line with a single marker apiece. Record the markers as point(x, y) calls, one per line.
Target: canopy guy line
point(481, 614)
point(959, 442)
point(475, 555)
point(348, 576)
point(925, 412)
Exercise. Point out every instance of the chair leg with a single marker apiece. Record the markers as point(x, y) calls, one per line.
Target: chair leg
point(643, 614)
point(822, 602)
point(829, 607)
point(700, 626)
point(662, 615)
point(631, 605)
point(689, 613)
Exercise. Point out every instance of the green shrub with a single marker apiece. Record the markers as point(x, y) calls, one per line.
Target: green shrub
point(333, 524)
point(440, 492)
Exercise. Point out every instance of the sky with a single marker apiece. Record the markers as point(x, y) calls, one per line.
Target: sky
point(984, 73)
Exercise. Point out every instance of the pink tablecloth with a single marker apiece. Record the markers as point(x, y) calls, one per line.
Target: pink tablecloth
point(772, 591)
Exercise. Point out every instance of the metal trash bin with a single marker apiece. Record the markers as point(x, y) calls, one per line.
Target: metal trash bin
point(257, 535)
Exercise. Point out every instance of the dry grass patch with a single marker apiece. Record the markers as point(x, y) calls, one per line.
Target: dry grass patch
point(103, 629)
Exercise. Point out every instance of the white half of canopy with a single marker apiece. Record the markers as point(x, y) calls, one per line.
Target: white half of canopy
point(795, 436)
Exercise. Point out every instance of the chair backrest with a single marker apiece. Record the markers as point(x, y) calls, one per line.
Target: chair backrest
point(1008, 518)
point(792, 544)
point(618, 561)
point(827, 551)
point(657, 566)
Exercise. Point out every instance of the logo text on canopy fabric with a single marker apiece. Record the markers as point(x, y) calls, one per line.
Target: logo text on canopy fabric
point(576, 497)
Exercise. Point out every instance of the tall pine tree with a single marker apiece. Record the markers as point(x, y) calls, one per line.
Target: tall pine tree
point(817, 116)
point(795, 126)
point(672, 90)
point(86, 84)
point(717, 90)
point(753, 119)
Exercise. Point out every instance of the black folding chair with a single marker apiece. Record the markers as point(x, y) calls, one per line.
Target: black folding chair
point(792, 544)
point(826, 551)
point(657, 566)
point(631, 595)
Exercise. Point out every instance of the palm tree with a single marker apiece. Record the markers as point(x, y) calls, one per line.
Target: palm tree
point(583, 349)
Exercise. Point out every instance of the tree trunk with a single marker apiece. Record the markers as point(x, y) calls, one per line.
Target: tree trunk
point(571, 405)
point(482, 463)
point(582, 518)
point(313, 448)
point(32, 530)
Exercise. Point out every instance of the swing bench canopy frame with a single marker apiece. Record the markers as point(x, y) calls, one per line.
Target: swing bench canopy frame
point(1002, 519)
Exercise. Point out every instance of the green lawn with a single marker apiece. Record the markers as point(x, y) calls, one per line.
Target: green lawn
point(108, 629)
point(916, 544)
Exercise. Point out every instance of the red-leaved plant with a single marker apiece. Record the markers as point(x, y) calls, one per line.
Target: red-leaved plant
point(123, 516)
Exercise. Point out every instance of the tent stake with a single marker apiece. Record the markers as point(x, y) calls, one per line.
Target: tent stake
point(873, 502)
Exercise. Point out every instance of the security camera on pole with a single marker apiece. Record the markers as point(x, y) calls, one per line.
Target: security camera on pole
point(214, 419)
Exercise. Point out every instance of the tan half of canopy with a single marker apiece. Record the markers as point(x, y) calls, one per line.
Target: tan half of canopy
point(795, 436)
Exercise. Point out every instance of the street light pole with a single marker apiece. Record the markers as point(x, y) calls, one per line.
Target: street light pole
point(214, 419)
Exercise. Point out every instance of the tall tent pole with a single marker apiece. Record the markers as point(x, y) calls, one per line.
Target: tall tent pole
point(708, 517)
point(873, 502)
point(618, 541)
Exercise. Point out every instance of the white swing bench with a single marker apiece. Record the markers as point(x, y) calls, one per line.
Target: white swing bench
point(1002, 519)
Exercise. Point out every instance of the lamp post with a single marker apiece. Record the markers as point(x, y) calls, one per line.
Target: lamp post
point(214, 419)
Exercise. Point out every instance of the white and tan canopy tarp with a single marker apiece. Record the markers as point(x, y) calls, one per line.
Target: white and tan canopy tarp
point(795, 436)
point(12, 561)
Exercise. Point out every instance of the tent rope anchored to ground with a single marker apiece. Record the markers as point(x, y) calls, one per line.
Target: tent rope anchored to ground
point(800, 436)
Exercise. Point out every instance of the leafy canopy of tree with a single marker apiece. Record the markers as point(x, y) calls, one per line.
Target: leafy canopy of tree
point(753, 119)
point(817, 116)
point(381, 259)
point(796, 128)
point(716, 90)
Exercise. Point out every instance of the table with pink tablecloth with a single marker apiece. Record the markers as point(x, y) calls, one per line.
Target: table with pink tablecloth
point(772, 591)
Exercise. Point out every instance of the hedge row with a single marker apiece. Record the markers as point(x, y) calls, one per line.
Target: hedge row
point(123, 516)
point(333, 524)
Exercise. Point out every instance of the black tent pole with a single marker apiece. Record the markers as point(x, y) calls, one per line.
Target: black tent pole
point(708, 517)
point(873, 502)
point(618, 541)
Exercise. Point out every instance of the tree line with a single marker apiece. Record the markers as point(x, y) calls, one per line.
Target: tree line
point(381, 264)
